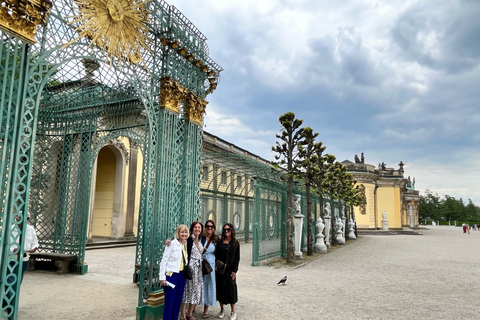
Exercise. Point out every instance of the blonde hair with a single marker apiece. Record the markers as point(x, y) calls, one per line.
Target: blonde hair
point(179, 229)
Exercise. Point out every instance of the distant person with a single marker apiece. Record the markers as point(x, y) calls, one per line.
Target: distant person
point(468, 228)
point(464, 226)
point(228, 251)
point(31, 244)
point(171, 273)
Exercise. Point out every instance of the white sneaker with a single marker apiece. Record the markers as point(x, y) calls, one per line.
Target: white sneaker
point(221, 314)
point(233, 316)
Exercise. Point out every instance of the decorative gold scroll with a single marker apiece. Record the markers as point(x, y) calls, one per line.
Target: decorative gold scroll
point(22, 17)
point(195, 108)
point(171, 94)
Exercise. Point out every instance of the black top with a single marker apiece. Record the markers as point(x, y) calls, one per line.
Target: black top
point(229, 253)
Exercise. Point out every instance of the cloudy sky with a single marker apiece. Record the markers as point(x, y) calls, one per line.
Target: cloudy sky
point(397, 80)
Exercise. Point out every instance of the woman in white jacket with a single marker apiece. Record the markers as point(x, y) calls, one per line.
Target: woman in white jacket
point(171, 273)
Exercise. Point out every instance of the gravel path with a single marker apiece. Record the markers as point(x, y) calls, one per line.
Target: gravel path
point(432, 276)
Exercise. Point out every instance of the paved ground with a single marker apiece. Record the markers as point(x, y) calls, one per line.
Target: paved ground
point(433, 276)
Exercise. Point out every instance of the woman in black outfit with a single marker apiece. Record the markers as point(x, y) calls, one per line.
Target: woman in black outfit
point(228, 251)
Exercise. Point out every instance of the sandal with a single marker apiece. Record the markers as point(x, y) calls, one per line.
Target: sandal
point(205, 316)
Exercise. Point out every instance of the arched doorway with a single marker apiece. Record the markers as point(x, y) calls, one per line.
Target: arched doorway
point(107, 201)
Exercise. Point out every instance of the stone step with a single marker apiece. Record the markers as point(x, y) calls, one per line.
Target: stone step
point(107, 244)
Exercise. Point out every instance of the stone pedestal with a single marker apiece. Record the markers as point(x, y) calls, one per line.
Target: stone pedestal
point(298, 236)
point(328, 225)
point(384, 224)
point(320, 245)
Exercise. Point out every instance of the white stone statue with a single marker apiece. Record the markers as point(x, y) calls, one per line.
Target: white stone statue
point(328, 224)
point(339, 226)
point(384, 221)
point(298, 227)
point(296, 203)
point(351, 230)
point(320, 245)
point(327, 210)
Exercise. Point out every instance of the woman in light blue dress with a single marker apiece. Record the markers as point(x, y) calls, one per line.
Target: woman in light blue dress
point(209, 241)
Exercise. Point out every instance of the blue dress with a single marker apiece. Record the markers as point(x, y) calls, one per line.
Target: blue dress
point(209, 285)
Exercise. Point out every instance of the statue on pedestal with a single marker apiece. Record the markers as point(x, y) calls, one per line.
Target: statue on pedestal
point(320, 245)
point(339, 227)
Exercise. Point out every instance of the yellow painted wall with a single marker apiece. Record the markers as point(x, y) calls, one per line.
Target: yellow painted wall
point(367, 220)
point(386, 201)
point(138, 186)
point(104, 191)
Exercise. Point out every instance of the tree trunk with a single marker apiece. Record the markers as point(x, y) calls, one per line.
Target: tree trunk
point(309, 220)
point(288, 222)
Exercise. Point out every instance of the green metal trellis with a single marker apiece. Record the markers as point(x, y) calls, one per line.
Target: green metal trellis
point(71, 102)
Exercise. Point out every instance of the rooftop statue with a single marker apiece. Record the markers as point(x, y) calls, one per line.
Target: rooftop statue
point(357, 160)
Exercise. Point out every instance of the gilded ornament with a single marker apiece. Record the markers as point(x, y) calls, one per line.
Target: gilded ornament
point(118, 27)
point(182, 51)
point(195, 108)
point(171, 94)
point(22, 17)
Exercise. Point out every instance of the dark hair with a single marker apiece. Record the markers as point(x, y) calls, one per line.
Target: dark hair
point(232, 232)
point(194, 223)
point(214, 235)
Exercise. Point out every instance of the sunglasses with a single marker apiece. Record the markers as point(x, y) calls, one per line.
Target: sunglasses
point(208, 226)
point(227, 229)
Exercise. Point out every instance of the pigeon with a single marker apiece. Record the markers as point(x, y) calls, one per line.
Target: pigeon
point(282, 281)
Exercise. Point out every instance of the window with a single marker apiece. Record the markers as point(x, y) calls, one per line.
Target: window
point(223, 177)
point(239, 181)
point(205, 173)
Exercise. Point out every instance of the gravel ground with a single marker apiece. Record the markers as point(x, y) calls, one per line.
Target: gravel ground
point(432, 276)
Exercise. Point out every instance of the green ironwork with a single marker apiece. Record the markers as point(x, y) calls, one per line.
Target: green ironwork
point(73, 99)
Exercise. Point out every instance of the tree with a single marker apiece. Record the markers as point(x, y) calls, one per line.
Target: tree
point(287, 156)
point(429, 206)
point(333, 187)
point(312, 167)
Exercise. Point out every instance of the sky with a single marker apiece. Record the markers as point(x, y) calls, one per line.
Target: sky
point(396, 80)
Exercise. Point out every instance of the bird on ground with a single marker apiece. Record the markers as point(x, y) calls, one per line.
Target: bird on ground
point(282, 281)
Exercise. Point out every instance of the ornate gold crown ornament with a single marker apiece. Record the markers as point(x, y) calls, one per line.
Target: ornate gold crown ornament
point(22, 17)
point(195, 108)
point(172, 94)
point(118, 27)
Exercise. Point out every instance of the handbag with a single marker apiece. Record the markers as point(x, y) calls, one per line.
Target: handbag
point(187, 270)
point(220, 267)
point(206, 267)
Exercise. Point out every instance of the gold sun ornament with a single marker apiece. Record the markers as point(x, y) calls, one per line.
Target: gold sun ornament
point(118, 27)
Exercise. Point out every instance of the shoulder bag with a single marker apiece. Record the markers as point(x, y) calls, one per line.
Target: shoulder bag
point(206, 267)
point(187, 270)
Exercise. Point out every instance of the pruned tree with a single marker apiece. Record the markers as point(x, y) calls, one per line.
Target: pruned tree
point(313, 165)
point(333, 187)
point(287, 157)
